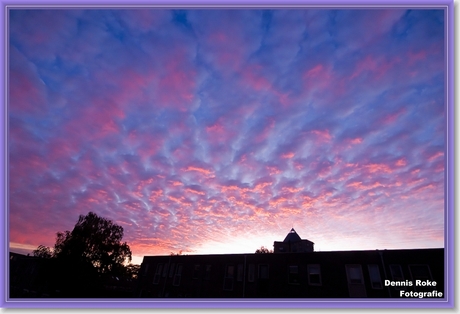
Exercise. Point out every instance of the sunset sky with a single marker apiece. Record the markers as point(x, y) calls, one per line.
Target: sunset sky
point(218, 130)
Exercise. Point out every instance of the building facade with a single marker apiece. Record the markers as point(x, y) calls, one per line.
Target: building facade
point(340, 274)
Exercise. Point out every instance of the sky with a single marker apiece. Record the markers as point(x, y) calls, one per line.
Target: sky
point(213, 131)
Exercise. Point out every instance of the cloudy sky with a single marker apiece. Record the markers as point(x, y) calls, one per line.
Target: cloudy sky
point(217, 130)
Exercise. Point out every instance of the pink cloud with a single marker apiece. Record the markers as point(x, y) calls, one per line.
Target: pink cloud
point(359, 185)
point(176, 183)
point(380, 168)
point(252, 78)
point(288, 155)
point(203, 171)
point(220, 132)
point(193, 191)
point(435, 156)
point(266, 132)
point(357, 140)
point(26, 93)
point(401, 162)
point(146, 145)
point(272, 170)
point(262, 187)
point(319, 77)
point(177, 85)
point(374, 69)
point(414, 57)
point(393, 117)
point(322, 135)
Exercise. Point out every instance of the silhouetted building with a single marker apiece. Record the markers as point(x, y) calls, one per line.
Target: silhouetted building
point(341, 274)
point(35, 277)
point(293, 243)
point(29, 276)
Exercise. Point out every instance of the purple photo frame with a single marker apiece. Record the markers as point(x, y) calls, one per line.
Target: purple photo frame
point(446, 302)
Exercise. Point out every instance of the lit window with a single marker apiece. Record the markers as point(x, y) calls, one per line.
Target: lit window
point(314, 274)
point(374, 274)
point(354, 274)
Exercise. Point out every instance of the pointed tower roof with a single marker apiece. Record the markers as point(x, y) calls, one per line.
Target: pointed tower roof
point(292, 236)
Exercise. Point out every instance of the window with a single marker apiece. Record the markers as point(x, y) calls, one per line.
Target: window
point(314, 274)
point(354, 274)
point(374, 275)
point(228, 278)
point(177, 275)
point(251, 269)
point(207, 274)
point(293, 275)
point(156, 278)
point(421, 272)
point(396, 272)
point(196, 271)
point(397, 275)
point(171, 270)
point(146, 269)
point(263, 271)
point(239, 274)
point(165, 270)
point(356, 287)
point(229, 271)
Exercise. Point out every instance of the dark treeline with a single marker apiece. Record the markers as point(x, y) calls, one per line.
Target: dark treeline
point(89, 261)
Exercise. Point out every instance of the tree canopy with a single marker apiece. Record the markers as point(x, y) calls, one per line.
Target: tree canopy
point(88, 256)
point(263, 250)
point(94, 240)
point(43, 252)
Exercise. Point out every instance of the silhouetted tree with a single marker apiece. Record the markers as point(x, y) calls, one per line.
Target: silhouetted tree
point(43, 252)
point(263, 250)
point(94, 240)
point(132, 270)
point(89, 255)
point(178, 253)
point(87, 258)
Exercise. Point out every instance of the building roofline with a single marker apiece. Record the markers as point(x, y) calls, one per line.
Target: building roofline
point(297, 253)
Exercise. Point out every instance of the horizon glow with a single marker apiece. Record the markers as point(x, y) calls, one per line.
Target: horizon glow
point(216, 131)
